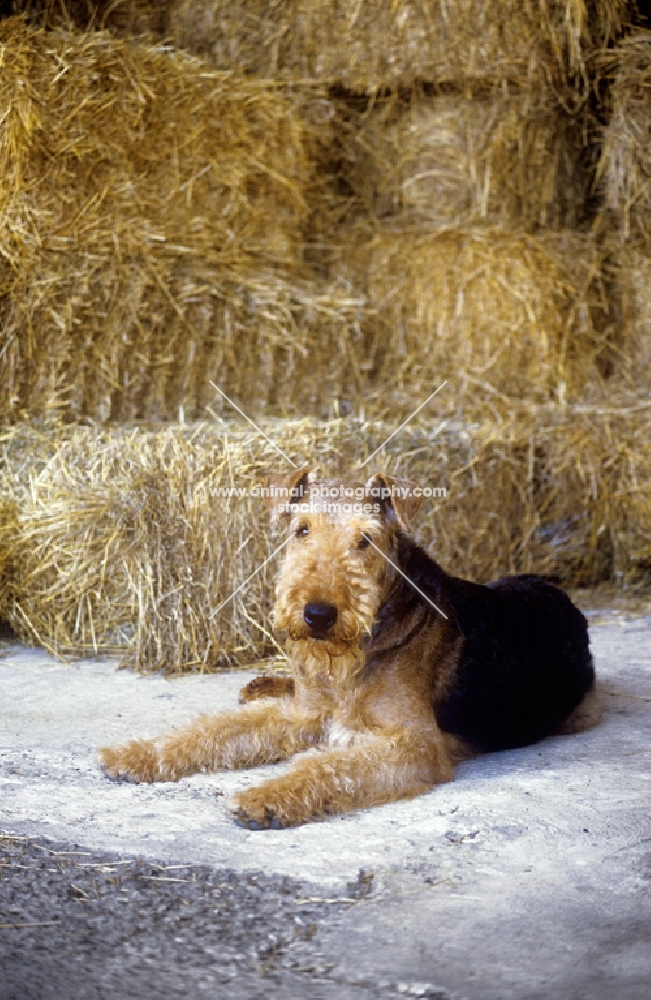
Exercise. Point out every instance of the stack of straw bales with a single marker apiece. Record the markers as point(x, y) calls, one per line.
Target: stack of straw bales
point(166, 222)
point(458, 149)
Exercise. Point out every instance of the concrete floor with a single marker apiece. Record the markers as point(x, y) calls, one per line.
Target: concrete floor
point(527, 877)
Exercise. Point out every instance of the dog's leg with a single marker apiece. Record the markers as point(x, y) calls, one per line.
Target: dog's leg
point(260, 733)
point(374, 769)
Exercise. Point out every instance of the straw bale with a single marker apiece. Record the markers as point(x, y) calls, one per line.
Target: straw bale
point(625, 166)
point(145, 200)
point(122, 548)
point(487, 309)
point(120, 542)
point(561, 491)
point(457, 158)
point(367, 46)
point(271, 344)
point(595, 500)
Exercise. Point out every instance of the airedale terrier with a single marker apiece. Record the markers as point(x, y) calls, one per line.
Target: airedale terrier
point(399, 669)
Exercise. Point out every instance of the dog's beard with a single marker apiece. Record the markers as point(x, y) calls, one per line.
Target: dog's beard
point(325, 659)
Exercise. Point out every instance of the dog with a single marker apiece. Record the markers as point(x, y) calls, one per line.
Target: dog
point(399, 669)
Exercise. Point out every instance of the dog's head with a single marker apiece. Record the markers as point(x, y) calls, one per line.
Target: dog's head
point(339, 558)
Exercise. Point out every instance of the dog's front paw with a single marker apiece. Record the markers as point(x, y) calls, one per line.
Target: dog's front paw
point(256, 810)
point(135, 761)
point(267, 686)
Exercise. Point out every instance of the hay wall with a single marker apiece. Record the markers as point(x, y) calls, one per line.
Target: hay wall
point(369, 46)
point(120, 545)
point(314, 250)
point(161, 217)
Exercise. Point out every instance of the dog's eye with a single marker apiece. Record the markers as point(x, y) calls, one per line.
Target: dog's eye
point(364, 542)
point(302, 530)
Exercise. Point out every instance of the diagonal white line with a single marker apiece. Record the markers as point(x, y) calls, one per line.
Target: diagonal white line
point(403, 424)
point(254, 573)
point(404, 575)
point(279, 450)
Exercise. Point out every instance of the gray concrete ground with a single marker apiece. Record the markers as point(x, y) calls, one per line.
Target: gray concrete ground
point(527, 877)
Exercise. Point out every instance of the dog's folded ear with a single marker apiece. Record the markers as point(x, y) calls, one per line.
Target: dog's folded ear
point(396, 496)
point(279, 491)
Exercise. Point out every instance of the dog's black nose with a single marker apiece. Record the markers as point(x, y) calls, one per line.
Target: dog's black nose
point(319, 617)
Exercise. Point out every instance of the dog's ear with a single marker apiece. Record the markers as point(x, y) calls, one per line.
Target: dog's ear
point(396, 496)
point(280, 490)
